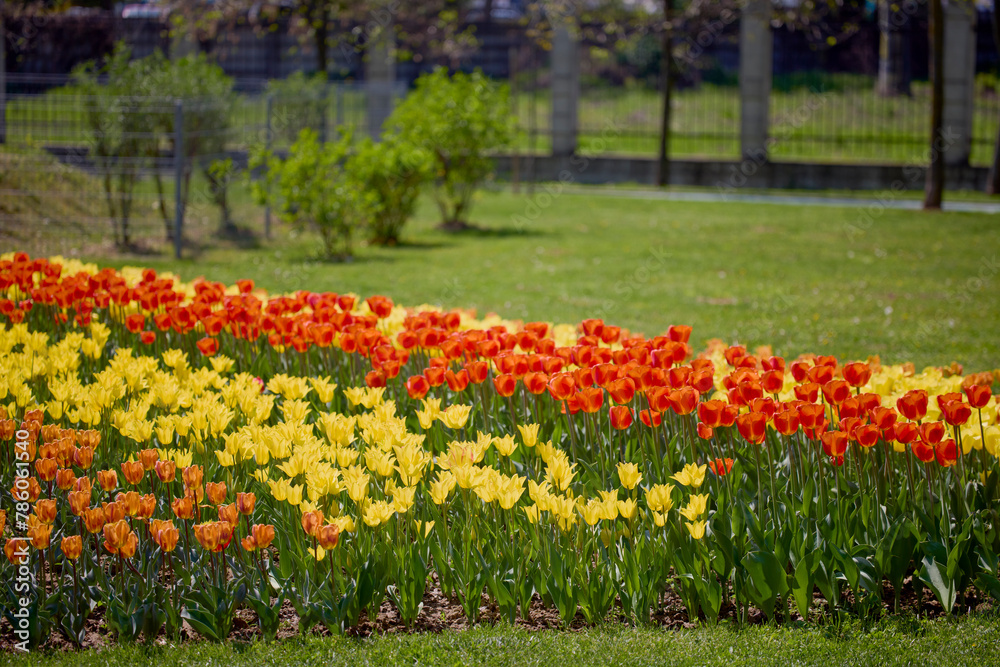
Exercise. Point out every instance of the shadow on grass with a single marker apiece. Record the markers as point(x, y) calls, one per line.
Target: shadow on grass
point(474, 230)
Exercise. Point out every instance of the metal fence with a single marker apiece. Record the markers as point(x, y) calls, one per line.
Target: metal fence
point(74, 158)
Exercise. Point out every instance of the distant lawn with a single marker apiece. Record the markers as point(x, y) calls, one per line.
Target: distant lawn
point(970, 641)
point(908, 286)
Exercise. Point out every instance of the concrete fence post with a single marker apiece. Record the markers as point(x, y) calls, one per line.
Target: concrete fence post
point(959, 80)
point(178, 178)
point(756, 46)
point(565, 92)
point(380, 79)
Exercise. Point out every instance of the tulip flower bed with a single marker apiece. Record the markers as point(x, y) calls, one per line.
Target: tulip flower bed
point(176, 453)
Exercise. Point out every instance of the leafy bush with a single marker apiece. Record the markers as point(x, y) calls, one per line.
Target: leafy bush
point(312, 188)
point(120, 128)
point(129, 107)
point(393, 172)
point(299, 102)
point(458, 121)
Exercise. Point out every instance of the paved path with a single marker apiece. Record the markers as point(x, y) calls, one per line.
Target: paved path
point(786, 200)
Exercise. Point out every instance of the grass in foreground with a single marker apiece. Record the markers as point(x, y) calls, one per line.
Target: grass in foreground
point(901, 641)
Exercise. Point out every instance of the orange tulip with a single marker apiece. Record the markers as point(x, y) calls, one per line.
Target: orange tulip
point(165, 535)
point(148, 458)
point(622, 390)
point(71, 547)
point(147, 506)
point(165, 470)
point(752, 426)
point(208, 346)
point(94, 520)
point(214, 536)
point(786, 422)
point(591, 399)
point(772, 381)
point(867, 435)
point(216, 492)
point(884, 418)
point(621, 417)
point(108, 479)
point(710, 413)
point(39, 534)
point(45, 510)
point(536, 383)
point(652, 418)
point(29, 494)
point(328, 536)
point(835, 443)
point(857, 374)
point(193, 476)
point(932, 432)
point(113, 512)
point(561, 386)
point(46, 469)
point(229, 513)
point(65, 479)
point(16, 551)
point(721, 467)
point(135, 322)
point(417, 386)
point(836, 392)
point(245, 503)
point(133, 472)
point(129, 502)
point(311, 521)
point(183, 508)
point(260, 537)
point(84, 457)
point(904, 432)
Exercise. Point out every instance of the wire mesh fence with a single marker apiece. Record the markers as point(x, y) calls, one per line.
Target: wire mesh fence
point(136, 166)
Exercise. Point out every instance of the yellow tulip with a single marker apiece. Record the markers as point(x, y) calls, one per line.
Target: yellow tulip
point(691, 475)
point(629, 475)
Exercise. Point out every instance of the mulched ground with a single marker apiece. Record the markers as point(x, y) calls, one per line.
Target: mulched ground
point(439, 614)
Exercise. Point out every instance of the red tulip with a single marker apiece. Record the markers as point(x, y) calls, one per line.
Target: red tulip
point(621, 417)
point(979, 395)
point(834, 443)
point(752, 426)
point(913, 404)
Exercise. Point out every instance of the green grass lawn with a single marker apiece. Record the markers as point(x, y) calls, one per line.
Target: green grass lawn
point(973, 640)
point(905, 285)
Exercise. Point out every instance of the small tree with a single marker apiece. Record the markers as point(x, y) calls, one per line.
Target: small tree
point(298, 102)
point(458, 121)
point(393, 172)
point(207, 95)
point(312, 189)
point(116, 105)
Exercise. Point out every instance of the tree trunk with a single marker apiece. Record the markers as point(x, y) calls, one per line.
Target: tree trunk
point(934, 188)
point(319, 18)
point(993, 180)
point(894, 72)
point(3, 76)
point(666, 76)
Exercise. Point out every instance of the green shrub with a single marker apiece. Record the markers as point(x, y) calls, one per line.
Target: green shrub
point(311, 188)
point(393, 172)
point(299, 102)
point(458, 121)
